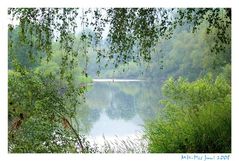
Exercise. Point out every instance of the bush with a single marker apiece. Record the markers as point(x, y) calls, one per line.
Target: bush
point(37, 114)
point(196, 117)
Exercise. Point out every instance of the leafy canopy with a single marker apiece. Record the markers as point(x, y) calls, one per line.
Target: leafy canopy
point(132, 32)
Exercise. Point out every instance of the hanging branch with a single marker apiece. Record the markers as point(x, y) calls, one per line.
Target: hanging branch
point(84, 37)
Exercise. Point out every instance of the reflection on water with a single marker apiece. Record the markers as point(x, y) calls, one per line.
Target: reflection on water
point(118, 108)
point(111, 127)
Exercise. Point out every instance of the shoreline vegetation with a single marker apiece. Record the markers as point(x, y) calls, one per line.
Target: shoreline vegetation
point(135, 144)
point(199, 112)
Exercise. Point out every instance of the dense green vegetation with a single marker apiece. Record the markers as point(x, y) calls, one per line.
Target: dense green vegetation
point(51, 68)
point(42, 103)
point(30, 95)
point(196, 117)
point(196, 109)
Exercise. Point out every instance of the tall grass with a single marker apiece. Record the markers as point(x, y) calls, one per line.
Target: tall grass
point(135, 144)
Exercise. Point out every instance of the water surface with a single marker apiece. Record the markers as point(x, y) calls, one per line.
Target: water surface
point(118, 108)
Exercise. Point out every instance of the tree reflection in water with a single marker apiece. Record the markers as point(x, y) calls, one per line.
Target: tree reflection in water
point(118, 109)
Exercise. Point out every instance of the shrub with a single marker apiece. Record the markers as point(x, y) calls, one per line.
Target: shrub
point(37, 114)
point(195, 117)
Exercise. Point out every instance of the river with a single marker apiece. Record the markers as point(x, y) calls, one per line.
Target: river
point(118, 108)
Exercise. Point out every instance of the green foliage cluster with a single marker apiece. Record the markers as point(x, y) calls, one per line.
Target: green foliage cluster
point(196, 117)
point(130, 70)
point(28, 57)
point(133, 32)
point(42, 104)
point(36, 113)
point(75, 74)
point(43, 24)
point(218, 20)
point(190, 54)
